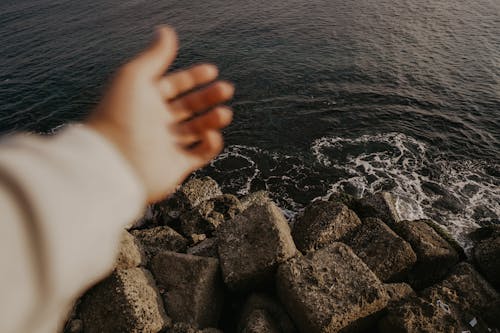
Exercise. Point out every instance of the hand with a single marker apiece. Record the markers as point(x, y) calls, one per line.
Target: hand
point(155, 120)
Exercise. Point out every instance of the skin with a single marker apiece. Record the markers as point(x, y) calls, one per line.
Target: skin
point(159, 122)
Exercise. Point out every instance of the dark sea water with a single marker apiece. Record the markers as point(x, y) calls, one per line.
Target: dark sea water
point(332, 95)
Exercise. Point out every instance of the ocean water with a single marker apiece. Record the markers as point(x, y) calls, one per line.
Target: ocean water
point(357, 96)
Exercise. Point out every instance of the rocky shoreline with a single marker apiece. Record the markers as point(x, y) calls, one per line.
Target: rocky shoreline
point(204, 261)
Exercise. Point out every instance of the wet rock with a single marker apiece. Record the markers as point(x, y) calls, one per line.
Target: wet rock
point(252, 245)
point(259, 197)
point(209, 215)
point(398, 292)
point(486, 254)
point(130, 254)
point(273, 311)
point(386, 254)
point(465, 295)
point(259, 321)
point(159, 239)
point(188, 328)
point(127, 301)
point(323, 223)
point(417, 315)
point(190, 287)
point(435, 257)
point(206, 248)
point(330, 290)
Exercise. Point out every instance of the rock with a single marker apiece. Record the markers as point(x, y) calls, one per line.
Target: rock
point(206, 248)
point(258, 321)
point(190, 286)
point(126, 301)
point(465, 295)
point(386, 254)
point(273, 311)
point(159, 239)
point(74, 326)
point(130, 254)
point(187, 328)
point(259, 197)
point(486, 254)
point(398, 292)
point(417, 315)
point(330, 290)
point(448, 238)
point(209, 215)
point(435, 257)
point(252, 245)
point(323, 223)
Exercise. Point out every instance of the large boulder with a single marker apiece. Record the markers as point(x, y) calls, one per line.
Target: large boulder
point(398, 292)
point(486, 253)
point(435, 256)
point(252, 245)
point(188, 328)
point(131, 253)
point(160, 239)
point(205, 248)
point(467, 297)
point(330, 290)
point(126, 301)
point(259, 321)
point(386, 254)
point(269, 311)
point(323, 223)
point(259, 197)
point(190, 286)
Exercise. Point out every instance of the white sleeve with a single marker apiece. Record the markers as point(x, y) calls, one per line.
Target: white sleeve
point(64, 201)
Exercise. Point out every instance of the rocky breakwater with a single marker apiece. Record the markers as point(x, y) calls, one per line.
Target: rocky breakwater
point(204, 261)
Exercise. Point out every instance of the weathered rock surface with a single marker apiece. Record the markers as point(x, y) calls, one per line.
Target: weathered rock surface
point(188, 328)
point(322, 223)
point(130, 254)
point(259, 321)
point(466, 296)
point(386, 254)
point(209, 215)
point(330, 290)
point(398, 292)
point(274, 312)
point(190, 287)
point(486, 254)
point(252, 245)
point(260, 197)
point(435, 257)
point(127, 301)
point(159, 239)
point(206, 248)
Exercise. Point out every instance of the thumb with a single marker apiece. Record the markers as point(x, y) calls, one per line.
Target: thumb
point(156, 59)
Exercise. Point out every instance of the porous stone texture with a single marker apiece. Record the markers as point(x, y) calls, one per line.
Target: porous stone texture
point(252, 245)
point(126, 301)
point(130, 254)
point(435, 257)
point(486, 253)
point(416, 315)
point(274, 312)
point(259, 321)
point(259, 197)
point(398, 292)
point(190, 287)
point(187, 328)
point(386, 254)
point(330, 290)
point(209, 215)
point(159, 239)
point(466, 296)
point(206, 248)
point(322, 223)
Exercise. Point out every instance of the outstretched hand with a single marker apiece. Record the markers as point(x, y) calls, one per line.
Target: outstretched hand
point(160, 122)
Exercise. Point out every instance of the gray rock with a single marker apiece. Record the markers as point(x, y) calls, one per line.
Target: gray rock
point(486, 254)
point(398, 292)
point(323, 223)
point(206, 248)
point(130, 254)
point(252, 245)
point(127, 301)
point(386, 254)
point(435, 256)
point(190, 287)
point(259, 197)
point(259, 321)
point(160, 239)
point(273, 311)
point(330, 290)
